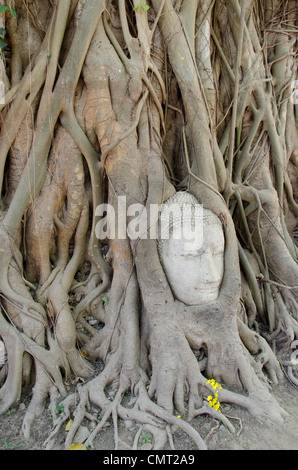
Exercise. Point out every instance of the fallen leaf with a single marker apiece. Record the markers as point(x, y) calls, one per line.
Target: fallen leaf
point(69, 424)
point(77, 446)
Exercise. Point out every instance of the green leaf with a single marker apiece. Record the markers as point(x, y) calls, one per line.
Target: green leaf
point(2, 43)
point(12, 11)
point(105, 300)
point(142, 5)
point(3, 8)
point(2, 32)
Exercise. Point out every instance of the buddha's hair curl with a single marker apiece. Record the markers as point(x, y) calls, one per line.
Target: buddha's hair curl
point(173, 211)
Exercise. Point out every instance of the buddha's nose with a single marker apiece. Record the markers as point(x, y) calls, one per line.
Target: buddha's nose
point(210, 271)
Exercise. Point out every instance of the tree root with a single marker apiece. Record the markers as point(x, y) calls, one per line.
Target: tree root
point(144, 412)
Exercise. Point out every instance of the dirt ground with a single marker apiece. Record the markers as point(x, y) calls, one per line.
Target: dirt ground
point(255, 434)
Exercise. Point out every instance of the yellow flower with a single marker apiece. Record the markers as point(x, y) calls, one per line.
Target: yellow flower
point(213, 400)
point(214, 384)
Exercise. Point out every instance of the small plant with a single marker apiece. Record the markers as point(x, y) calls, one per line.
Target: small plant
point(9, 412)
point(59, 409)
point(8, 447)
point(2, 34)
point(3, 9)
point(147, 438)
point(213, 400)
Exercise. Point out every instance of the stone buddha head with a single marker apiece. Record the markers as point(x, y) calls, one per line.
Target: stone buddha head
point(191, 249)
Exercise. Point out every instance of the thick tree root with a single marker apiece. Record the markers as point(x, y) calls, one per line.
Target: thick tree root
point(144, 411)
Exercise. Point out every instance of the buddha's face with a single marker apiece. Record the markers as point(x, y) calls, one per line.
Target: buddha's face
point(195, 275)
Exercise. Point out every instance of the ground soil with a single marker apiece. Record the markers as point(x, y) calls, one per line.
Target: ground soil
point(255, 434)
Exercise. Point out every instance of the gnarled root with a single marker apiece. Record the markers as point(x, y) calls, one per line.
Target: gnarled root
point(176, 376)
